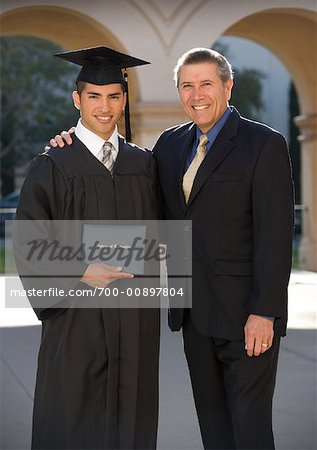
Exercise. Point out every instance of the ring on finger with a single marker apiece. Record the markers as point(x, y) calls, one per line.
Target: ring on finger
point(264, 345)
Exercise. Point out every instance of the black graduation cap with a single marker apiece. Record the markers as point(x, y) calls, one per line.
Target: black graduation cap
point(103, 65)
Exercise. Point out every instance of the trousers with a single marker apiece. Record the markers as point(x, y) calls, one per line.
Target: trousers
point(233, 392)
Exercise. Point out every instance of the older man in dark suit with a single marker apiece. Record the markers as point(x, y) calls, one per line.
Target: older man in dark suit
point(232, 178)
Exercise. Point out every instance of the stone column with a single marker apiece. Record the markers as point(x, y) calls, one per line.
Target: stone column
point(150, 119)
point(308, 138)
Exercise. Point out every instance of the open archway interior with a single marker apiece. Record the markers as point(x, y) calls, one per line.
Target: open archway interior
point(68, 28)
point(291, 35)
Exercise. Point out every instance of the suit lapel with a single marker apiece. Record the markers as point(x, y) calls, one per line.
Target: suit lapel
point(221, 148)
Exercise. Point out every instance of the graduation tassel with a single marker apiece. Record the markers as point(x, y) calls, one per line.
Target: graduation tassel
point(128, 136)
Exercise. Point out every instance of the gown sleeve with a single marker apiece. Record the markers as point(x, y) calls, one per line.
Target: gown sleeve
point(41, 238)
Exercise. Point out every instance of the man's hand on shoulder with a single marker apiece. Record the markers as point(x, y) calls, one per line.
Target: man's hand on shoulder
point(60, 139)
point(258, 332)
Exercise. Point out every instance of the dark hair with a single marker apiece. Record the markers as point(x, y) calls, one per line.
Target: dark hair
point(201, 55)
point(82, 84)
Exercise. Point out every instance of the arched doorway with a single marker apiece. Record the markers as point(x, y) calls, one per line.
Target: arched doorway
point(67, 27)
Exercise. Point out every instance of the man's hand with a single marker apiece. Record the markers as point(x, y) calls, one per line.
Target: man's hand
point(258, 334)
point(58, 140)
point(101, 275)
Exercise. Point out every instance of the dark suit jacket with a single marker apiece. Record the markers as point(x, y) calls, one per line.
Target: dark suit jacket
point(241, 207)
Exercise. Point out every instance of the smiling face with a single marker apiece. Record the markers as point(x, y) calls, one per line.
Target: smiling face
point(100, 107)
point(203, 94)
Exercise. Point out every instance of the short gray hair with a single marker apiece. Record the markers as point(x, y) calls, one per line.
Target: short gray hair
point(201, 55)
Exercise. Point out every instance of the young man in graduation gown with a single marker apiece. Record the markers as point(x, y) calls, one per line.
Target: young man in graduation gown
point(97, 378)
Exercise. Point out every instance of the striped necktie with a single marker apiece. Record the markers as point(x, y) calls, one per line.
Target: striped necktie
point(190, 173)
point(108, 155)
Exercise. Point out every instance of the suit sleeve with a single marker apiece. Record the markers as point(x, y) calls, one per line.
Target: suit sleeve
point(153, 170)
point(273, 226)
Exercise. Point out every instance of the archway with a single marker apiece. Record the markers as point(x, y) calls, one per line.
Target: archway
point(67, 27)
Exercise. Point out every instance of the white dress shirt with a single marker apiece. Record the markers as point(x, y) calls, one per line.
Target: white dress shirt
point(94, 142)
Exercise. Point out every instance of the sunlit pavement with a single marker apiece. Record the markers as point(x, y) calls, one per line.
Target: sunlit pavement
point(295, 402)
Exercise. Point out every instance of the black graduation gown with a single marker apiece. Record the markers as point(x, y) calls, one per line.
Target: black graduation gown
point(97, 378)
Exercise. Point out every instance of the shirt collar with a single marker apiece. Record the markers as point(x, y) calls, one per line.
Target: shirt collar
point(214, 131)
point(94, 142)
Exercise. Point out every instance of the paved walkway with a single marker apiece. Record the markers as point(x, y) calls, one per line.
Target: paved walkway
point(295, 402)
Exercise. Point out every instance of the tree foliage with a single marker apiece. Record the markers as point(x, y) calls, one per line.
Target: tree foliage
point(247, 90)
point(35, 100)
